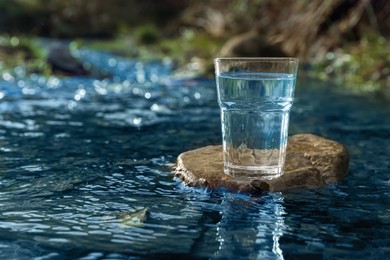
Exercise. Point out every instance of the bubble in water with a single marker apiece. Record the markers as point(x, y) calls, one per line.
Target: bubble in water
point(141, 76)
point(100, 90)
point(80, 93)
point(72, 104)
point(20, 71)
point(160, 109)
point(8, 77)
point(148, 95)
point(197, 95)
point(21, 83)
point(137, 121)
point(34, 77)
point(112, 62)
point(126, 83)
point(28, 91)
point(53, 82)
point(154, 107)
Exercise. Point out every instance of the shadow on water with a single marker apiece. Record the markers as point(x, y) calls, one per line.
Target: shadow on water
point(86, 171)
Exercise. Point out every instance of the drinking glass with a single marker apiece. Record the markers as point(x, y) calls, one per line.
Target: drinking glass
point(255, 96)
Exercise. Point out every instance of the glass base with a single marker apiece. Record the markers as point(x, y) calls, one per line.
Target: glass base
point(248, 173)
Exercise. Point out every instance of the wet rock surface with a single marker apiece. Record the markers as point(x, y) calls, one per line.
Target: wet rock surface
point(311, 161)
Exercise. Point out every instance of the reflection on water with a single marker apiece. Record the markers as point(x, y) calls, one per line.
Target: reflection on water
point(85, 167)
point(251, 227)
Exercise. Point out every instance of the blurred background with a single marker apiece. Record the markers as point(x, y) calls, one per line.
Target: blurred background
point(344, 40)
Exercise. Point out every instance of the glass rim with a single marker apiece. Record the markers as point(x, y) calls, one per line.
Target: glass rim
point(293, 59)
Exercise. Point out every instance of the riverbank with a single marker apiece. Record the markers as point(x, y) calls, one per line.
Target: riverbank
point(360, 68)
point(344, 41)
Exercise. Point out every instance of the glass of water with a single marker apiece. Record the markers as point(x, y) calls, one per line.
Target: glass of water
point(255, 96)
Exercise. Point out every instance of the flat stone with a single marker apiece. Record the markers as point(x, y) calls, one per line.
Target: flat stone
point(311, 161)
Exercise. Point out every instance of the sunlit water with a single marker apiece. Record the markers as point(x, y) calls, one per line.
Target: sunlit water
point(86, 172)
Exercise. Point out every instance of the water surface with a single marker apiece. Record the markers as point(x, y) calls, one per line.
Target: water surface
point(86, 172)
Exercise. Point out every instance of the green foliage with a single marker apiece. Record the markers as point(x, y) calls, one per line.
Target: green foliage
point(191, 43)
point(147, 34)
point(123, 45)
point(361, 67)
point(22, 52)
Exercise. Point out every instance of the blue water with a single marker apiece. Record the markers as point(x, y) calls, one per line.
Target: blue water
point(86, 172)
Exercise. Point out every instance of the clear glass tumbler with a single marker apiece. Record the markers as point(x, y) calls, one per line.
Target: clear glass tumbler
point(255, 96)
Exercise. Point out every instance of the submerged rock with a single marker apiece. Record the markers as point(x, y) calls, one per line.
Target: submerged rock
point(311, 161)
point(61, 60)
point(134, 219)
point(129, 218)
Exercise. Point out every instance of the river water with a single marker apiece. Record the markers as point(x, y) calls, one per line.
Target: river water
point(86, 171)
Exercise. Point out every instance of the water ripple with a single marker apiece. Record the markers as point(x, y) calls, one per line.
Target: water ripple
point(86, 165)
